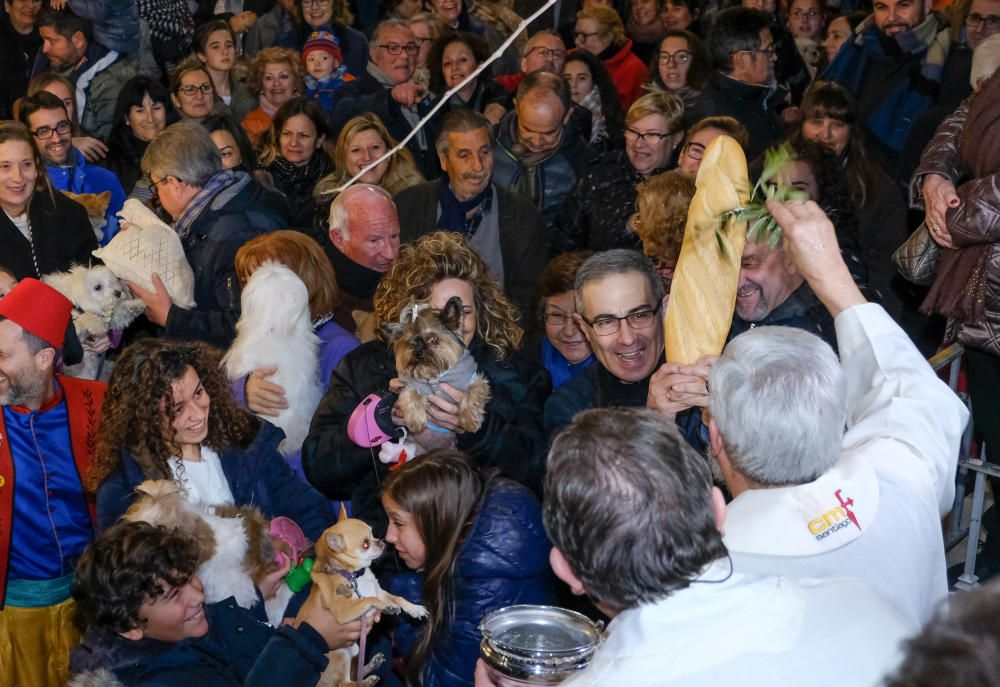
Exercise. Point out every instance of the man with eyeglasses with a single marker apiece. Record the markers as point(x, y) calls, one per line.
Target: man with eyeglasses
point(544, 50)
point(385, 88)
point(895, 69)
point(743, 85)
point(97, 72)
point(619, 308)
point(45, 116)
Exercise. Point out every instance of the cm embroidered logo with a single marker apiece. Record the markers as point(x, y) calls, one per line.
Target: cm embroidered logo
point(834, 519)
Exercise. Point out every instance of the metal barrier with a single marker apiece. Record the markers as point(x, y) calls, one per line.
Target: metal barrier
point(951, 358)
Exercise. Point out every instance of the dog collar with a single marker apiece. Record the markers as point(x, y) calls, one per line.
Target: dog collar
point(351, 577)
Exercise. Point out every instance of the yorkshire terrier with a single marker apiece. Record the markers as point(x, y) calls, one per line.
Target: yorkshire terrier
point(430, 351)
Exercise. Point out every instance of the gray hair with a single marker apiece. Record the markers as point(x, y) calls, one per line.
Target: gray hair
point(383, 26)
point(529, 46)
point(779, 399)
point(461, 120)
point(985, 60)
point(340, 206)
point(631, 477)
point(615, 262)
point(185, 151)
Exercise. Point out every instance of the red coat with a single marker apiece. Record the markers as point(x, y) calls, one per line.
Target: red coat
point(628, 74)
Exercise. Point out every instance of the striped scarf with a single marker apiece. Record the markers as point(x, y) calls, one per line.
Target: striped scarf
point(218, 183)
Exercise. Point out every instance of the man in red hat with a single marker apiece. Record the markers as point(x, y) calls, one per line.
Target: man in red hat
point(48, 433)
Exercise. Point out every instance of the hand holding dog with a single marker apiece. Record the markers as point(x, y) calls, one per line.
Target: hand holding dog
point(158, 301)
point(264, 397)
point(337, 635)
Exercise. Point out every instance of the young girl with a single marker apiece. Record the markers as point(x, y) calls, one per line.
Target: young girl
point(476, 542)
point(326, 72)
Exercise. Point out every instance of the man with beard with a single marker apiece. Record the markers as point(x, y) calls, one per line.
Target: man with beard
point(45, 116)
point(501, 225)
point(48, 434)
point(894, 66)
point(535, 153)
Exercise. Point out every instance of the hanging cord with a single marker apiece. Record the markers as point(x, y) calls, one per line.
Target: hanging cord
point(467, 80)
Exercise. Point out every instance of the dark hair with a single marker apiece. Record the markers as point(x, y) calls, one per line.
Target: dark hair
point(131, 563)
point(271, 140)
point(545, 82)
point(221, 122)
point(734, 30)
point(34, 342)
point(614, 262)
point(461, 120)
point(631, 477)
point(611, 106)
point(826, 99)
point(65, 23)
point(701, 63)
point(202, 33)
point(139, 403)
point(559, 276)
point(131, 95)
point(43, 100)
point(442, 491)
point(477, 44)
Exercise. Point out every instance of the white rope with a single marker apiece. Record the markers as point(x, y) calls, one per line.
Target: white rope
point(467, 80)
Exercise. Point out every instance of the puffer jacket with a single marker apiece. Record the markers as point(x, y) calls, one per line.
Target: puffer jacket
point(239, 649)
point(83, 177)
point(628, 73)
point(595, 214)
point(236, 215)
point(257, 476)
point(510, 438)
point(975, 220)
point(504, 561)
point(548, 183)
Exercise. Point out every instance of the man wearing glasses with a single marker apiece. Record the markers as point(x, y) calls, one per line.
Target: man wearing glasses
point(544, 50)
point(619, 308)
point(894, 68)
point(45, 116)
point(386, 90)
point(743, 85)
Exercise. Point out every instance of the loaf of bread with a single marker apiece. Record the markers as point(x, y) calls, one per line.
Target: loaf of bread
point(703, 291)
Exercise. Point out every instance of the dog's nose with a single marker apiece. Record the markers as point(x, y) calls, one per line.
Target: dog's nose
point(118, 294)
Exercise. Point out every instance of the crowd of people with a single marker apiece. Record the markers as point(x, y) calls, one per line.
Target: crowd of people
point(767, 515)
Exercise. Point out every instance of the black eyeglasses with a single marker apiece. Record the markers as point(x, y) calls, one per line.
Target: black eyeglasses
point(556, 319)
point(549, 53)
point(991, 21)
point(44, 132)
point(190, 90)
point(396, 48)
point(606, 325)
point(648, 137)
point(679, 57)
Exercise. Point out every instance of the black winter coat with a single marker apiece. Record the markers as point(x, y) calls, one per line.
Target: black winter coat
point(595, 214)
point(753, 106)
point(510, 439)
point(61, 236)
point(210, 247)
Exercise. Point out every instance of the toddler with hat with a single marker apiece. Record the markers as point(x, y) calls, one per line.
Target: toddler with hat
point(325, 69)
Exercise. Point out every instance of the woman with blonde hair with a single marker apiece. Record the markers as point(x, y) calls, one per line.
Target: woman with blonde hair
point(600, 31)
point(303, 256)
point(596, 213)
point(363, 140)
point(275, 77)
point(432, 270)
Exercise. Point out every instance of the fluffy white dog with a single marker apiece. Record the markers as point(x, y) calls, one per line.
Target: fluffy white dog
point(275, 330)
point(96, 290)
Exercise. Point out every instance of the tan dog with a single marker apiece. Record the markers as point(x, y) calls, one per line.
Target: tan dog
point(429, 352)
point(349, 590)
point(96, 205)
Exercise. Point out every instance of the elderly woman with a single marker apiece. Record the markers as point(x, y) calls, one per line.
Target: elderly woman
point(295, 156)
point(179, 422)
point(565, 351)
point(363, 140)
point(275, 78)
point(41, 230)
point(432, 270)
point(215, 211)
point(595, 215)
point(599, 31)
point(681, 66)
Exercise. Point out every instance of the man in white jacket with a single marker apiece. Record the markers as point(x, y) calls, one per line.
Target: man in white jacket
point(810, 500)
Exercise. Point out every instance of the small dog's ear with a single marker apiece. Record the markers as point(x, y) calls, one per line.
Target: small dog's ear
point(393, 330)
point(451, 315)
point(343, 513)
point(335, 541)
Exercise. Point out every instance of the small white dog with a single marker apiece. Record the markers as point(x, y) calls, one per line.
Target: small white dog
point(92, 331)
point(275, 330)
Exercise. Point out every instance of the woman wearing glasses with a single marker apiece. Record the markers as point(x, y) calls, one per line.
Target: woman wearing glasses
point(596, 213)
point(565, 351)
point(591, 87)
point(599, 31)
point(681, 67)
point(191, 90)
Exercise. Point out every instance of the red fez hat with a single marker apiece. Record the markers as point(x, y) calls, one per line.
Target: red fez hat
point(39, 309)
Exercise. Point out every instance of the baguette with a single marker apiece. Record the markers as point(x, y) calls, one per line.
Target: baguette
point(703, 291)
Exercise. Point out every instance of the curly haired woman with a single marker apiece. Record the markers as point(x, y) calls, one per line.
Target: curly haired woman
point(168, 414)
point(433, 269)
